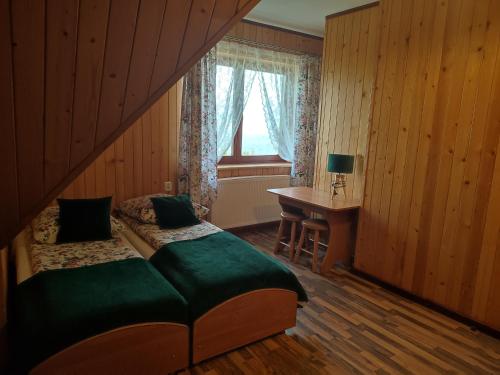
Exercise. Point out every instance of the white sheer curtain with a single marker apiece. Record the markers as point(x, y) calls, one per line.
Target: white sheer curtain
point(237, 67)
point(232, 90)
point(278, 79)
point(289, 90)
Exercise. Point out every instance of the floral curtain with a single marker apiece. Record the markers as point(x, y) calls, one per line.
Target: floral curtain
point(198, 132)
point(307, 119)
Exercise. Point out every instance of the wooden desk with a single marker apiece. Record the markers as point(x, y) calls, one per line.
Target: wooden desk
point(341, 215)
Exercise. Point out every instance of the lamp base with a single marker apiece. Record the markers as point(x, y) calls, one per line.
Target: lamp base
point(339, 183)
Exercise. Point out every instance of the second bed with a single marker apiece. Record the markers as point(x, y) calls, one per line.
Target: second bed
point(235, 294)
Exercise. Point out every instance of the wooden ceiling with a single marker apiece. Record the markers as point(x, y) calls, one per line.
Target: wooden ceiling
point(76, 73)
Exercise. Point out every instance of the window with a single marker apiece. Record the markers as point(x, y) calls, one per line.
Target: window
point(252, 141)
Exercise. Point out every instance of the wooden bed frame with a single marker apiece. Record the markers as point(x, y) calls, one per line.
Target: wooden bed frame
point(238, 321)
point(150, 348)
point(242, 320)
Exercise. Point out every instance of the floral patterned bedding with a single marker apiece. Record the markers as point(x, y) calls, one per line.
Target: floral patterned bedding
point(141, 208)
point(46, 257)
point(157, 237)
point(46, 226)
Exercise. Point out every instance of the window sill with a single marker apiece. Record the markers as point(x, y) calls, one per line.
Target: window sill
point(254, 165)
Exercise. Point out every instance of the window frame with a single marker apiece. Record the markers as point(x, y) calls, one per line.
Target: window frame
point(238, 158)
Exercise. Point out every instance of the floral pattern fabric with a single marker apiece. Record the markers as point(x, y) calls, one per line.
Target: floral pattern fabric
point(157, 237)
point(142, 209)
point(46, 257)
point(46, 226)
point(198, 132)
point(307, 114)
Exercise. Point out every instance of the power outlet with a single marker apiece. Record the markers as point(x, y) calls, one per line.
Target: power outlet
point(167, 185)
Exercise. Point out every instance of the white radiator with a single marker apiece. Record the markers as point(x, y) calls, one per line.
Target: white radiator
point(245, 201)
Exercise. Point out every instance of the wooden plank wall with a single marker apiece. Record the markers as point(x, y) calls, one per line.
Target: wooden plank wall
point(3, 307)
point(140, 160)
point(256, 170)
point(276, 37)
point(347, 83)
point(77, 73)
point(430, 219)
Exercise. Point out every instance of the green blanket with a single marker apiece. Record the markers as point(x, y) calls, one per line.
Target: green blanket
point(215, 268)
point(55, 309)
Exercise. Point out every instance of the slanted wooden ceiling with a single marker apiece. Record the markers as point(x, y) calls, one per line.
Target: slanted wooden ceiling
point(76, 73)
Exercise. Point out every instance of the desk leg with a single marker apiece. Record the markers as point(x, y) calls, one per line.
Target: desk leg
point(339, 240)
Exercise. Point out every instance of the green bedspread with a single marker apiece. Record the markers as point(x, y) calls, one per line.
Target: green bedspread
point(55, 309)
point(215, 268)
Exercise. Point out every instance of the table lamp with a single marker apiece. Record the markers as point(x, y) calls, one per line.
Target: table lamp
point(340, 164)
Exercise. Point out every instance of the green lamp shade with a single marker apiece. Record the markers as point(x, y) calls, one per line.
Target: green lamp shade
point(338, 163)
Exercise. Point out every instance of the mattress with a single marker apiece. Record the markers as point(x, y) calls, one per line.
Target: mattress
point(157, 238)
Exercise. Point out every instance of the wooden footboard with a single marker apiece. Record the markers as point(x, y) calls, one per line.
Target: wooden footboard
point(243, 319)
point(151, 348)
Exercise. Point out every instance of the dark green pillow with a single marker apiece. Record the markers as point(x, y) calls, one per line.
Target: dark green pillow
point(84, 220)
point(174, 212)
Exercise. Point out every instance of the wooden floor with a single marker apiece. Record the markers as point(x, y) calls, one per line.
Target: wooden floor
point(352, 326)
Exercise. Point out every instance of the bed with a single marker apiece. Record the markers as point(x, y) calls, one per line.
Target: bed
point(95, 307)
point(236, 295)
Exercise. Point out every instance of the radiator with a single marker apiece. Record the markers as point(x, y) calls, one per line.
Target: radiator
point(245, 201)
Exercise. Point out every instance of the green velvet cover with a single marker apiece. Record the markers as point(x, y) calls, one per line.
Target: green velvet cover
point(55, 309)
point(215, 268)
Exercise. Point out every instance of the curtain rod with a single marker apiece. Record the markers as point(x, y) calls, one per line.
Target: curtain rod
point(272, 47)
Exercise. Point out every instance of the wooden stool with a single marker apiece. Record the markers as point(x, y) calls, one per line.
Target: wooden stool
point(294, 219)
point(317, 226)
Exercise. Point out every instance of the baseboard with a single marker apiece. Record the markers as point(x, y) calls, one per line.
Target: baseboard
point(258, 226)
point(473, 325)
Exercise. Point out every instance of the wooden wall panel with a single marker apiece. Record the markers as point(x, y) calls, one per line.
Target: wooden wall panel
point(429, 222)
point(276, 37)
point(140, 160)
point(170, 42)
point(28, 65)
point(253, 170)
point(4, 352)
point(8, 172)
point(347, 84)
point(146, 38)
point(81, 72)
point(60, 58)
point(119, 43)
point(198, 25)
point(92, 29)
